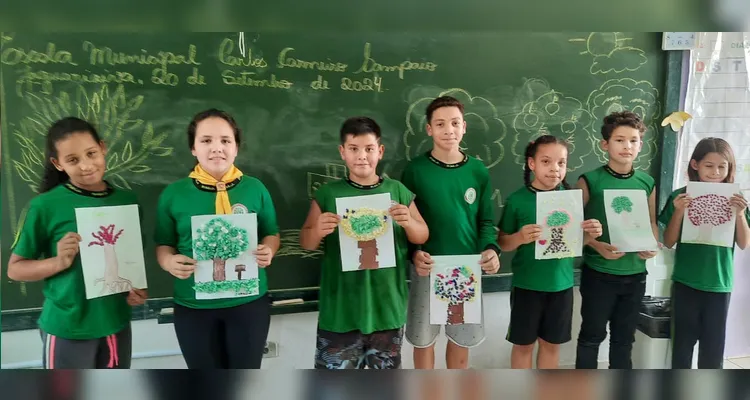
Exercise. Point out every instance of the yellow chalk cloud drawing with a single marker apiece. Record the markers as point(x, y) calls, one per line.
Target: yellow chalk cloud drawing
point(611, 53)
point(485, 130)
point(640, 97)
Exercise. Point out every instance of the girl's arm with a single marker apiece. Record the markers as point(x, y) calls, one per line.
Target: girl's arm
point(743, 233)
point(273, 242)
point(509, 242)
point(25, 270)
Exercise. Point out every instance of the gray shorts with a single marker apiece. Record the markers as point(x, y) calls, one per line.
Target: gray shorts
point(113, 351)
point(420, 333)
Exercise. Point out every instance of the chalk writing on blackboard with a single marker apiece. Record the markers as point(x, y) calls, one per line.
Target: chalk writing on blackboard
point(611, 53)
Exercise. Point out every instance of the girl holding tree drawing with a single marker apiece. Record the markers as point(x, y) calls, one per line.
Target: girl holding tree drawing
point(219, 332)
point(702, 275)
point(542, 290)
point(76, 333)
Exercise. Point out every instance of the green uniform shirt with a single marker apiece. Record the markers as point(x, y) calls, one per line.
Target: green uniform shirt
point(552, 275)
point(597, 181)
point(700, 266)
point(456, 202)
point(185, 198)
point(368, 300)
point(66, 312)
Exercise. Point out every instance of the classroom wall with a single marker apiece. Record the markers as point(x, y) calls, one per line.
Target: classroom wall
point(295, 335)
point(738, 323)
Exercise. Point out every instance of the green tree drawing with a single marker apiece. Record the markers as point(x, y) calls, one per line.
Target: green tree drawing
point(623, 206)
point(218, 240)
point(130, 140)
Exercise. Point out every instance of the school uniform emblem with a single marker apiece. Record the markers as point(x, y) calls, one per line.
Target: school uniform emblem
point(470, 196)
point(239, 209)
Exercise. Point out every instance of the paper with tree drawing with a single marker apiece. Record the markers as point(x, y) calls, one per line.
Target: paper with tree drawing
point(710, 219)
point(629, 221)
point(456, 290)
point(223, 246)
point(366, 232)
point(111, 249)
point(560, 214)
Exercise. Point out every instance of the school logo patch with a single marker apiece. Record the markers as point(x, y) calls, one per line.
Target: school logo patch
point(239, 209)
point(470, 196)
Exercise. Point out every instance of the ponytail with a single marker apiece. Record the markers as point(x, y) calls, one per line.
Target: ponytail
point(61, 129)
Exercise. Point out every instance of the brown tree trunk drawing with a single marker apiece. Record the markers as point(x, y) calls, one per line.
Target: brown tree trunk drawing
point(220, 274)
point(238, 269)
point(556, 243)
point(368, 254)
point(456, 313)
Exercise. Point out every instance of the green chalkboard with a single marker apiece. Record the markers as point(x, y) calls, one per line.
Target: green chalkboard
point(291, 91)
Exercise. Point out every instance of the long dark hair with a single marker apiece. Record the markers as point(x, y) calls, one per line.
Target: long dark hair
point(531, 153)
point(60, 130)
point(713, 145)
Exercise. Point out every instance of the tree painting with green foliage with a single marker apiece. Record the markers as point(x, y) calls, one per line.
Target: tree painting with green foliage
point(218, 240)
point(623, 206)
point(557, 221)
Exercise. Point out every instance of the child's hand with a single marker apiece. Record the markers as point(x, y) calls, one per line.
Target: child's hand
point(530, 233)
point(401, 215)
point(489, 262)
point(681, 202)
point(327, 222)
point(645, 255)
point(423, 263)
point(592, 227)
point(608, 251)
point(739, 203)
point(181, 266)
point(67, 249)
point(263, 255)
point(136, 297)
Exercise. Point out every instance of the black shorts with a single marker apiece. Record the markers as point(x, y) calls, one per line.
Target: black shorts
point(544, 315)
point(355, 350)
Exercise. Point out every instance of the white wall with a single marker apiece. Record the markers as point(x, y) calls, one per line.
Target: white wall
point(155, 346)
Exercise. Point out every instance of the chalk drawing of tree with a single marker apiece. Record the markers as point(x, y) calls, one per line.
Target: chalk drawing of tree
point(626, 94)
point(485, 130)
point(708, 211)
point(113, 282)
point(365, 225)
point(218, 240)
point(623, 206)
point(549, 112)
point(457, 287)
point(557, 221)
point(131, 141)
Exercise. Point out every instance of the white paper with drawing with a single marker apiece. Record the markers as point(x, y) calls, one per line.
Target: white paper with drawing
point(366, 232)
point(223, 246)
point(710, 219)
point(560, 214)
point(111, 249)
point(628, 221)
point(456, 290)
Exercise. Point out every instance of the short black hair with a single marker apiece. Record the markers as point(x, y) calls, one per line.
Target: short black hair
point(356, 126)
point(440, 102)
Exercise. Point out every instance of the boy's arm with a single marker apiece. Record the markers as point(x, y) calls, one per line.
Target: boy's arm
point(652, 213)
point(309, 239)
point(417, 231)
point(487, 230)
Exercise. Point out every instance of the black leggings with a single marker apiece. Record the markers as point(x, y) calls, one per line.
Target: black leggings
point(223, 338)
point(698, 316)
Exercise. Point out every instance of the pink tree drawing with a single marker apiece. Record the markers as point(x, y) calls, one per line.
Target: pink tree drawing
point(112, 280)
point(708, 211)
point(456, 288)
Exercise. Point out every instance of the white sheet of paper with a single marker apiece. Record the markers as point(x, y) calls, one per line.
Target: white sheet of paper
point(710, 219)
point(628, 220)
point(223, 245)
point(111, 249)
point(370, 253)
point(456, 290)
point(560, 214)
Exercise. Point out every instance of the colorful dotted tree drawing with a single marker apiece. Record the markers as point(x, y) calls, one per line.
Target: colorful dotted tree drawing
point(365, 225)
point(708, 211)
point(218, 240)
point(107, 238)
point(456, 287)
point(557, 221)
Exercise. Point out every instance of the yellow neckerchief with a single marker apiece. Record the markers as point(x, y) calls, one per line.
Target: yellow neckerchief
point(222, 197)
